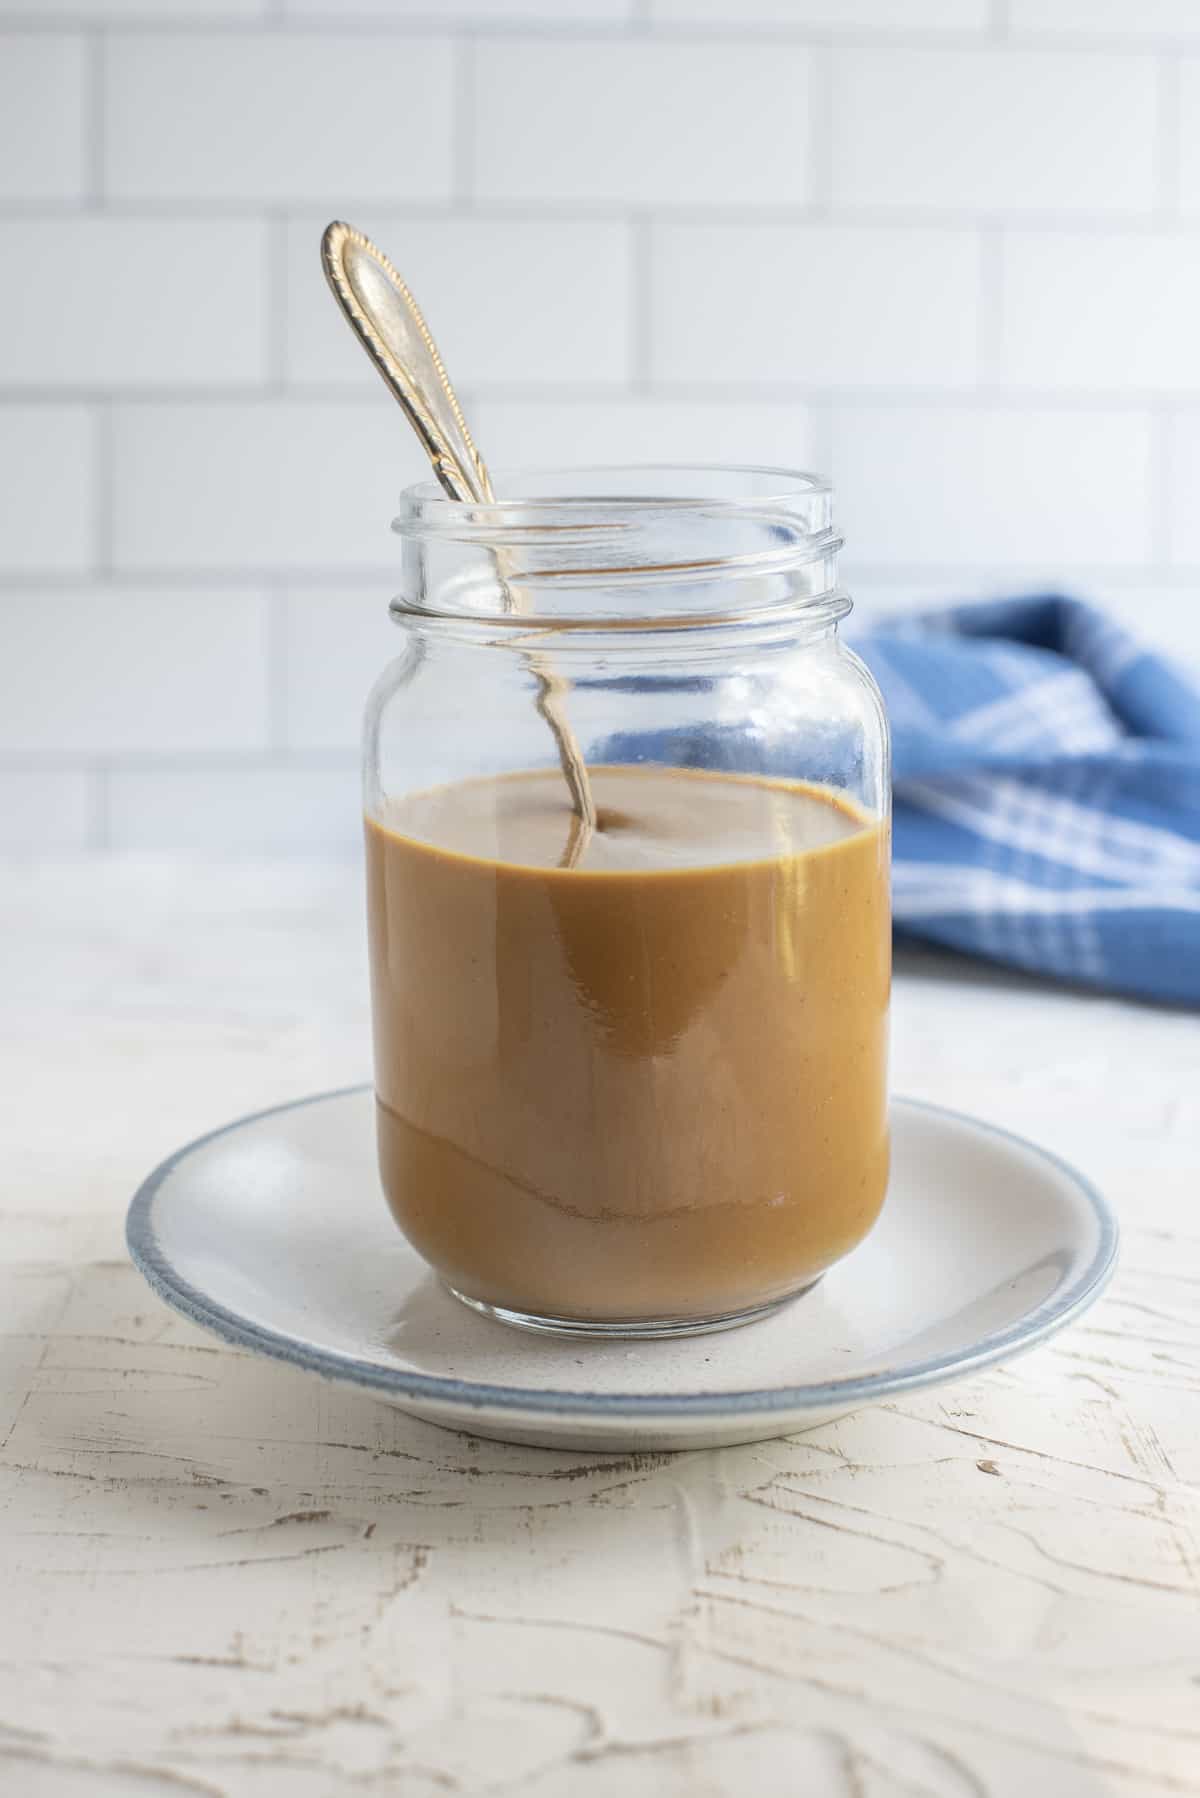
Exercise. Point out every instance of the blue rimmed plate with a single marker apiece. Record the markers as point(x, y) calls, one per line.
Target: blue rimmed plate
point(273, 1233)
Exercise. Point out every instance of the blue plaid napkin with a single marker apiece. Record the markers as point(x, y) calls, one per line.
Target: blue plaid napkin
point(1047, 772)
point(1047, 788)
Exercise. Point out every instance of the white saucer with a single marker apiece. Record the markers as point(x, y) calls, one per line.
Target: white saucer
point(273, 1233)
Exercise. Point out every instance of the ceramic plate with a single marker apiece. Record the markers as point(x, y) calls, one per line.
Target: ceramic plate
point(273, 1233)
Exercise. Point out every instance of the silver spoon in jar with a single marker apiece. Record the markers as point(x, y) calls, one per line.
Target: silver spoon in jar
point(388, 323)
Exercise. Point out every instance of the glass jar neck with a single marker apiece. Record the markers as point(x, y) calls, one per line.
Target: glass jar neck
point(624, 549)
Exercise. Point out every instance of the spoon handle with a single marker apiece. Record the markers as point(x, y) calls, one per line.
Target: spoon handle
point(389, 324)
point(392, 330)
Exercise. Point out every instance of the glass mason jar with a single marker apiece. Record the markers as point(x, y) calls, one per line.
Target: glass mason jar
point(631, 1075)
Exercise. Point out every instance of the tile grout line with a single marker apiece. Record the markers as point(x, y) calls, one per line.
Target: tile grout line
point(851, 217)
point(337, 758)
point(889, 396)
point(996, 30)
point(353, 25)
point(1185, 574)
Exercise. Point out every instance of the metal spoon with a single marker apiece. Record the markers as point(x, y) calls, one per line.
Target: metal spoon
point(388, 323)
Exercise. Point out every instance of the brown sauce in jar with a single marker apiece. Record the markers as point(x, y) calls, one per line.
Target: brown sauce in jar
point(648, 1087)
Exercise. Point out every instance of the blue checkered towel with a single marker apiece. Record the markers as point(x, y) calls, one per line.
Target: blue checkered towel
point(1047, 773)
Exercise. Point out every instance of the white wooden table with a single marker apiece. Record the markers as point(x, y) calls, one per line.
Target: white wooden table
point(220, 1576)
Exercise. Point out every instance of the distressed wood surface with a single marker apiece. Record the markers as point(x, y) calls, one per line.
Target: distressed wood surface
point(223, 1577)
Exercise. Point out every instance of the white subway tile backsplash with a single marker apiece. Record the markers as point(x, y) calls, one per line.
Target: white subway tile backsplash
point(1183, 489)
point(992, 487)
point(1189, 134)
point(827, 305)
point(993, 130)
point(123, 12)
point(48, 811)
point(1104, 20)
point(47, 476)
point(113, 670)
point(522, 432)
point(929, 242)
point(888, 16)
point(244, 811)
point(42, 151)
point(1106, 311)
point(476, 12)
point(182, 303)
point(336, 644)
point(267, 485)
point(521, 300)
point(641, 123)
point(272, 117)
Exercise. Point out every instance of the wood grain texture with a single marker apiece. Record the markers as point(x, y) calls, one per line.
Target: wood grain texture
point(223, 1577)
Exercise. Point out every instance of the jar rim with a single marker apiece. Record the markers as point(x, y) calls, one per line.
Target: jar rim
point(427, 510)
point(608, 544)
